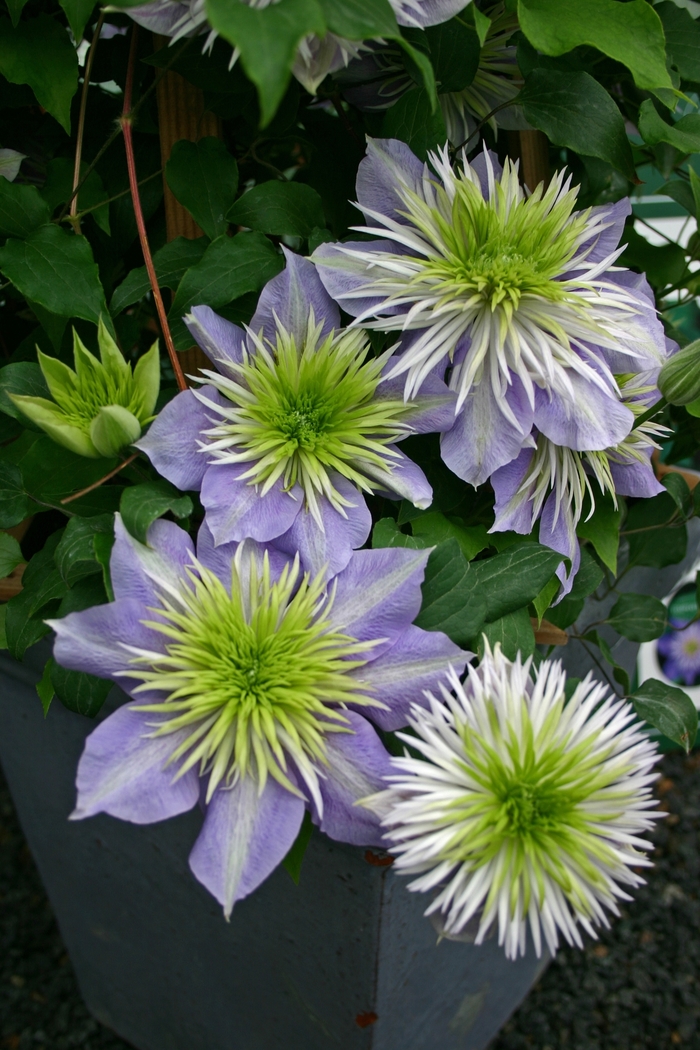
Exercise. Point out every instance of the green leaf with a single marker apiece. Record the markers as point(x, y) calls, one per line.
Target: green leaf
point(589, 576)
point(667, 709)
point(38, 52)
point(682, 39)
point(55, 269)
point(678, 490)
point(78, 13)
point(204, 177)
point(230, 267)
point(543, 600)
point(21, 377)
point(420, 69)
point(15, 7)
point(663, 264)
point(84, 594)
point(631, 33)
point(292, 862)
point(103, 544)
point(3, 636)
point(10, 554)
point(279, 208)
point(680, 191)
point(22, 209)
point(575, 111)
point(413, 121)
point(83, 693)
point(451, 602)
point(511, 580)
point(434, 527)
point(360, 19)
point(42, 590)
point(455, 50)
point(514, 632)
point(44, 687)
point(171, 262)
point(481, 22)
point(142, 504)
point(75, 555)
point(602, 529)
point(638, 617)
point(58, 189)
point(50, 473)
point(15, 505)
point(684, 135)
point(268, 39)
point(651, 543)
point(386, 533)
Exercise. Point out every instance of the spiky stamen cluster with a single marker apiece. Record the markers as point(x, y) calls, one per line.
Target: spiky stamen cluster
point(297, 413)
point(522, 806)
point(256, 677)
point(508, 270)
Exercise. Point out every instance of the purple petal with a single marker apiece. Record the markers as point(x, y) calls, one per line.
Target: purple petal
point(481, 166)
point(160, 16)
point(605, 243)
point(245, 835)
point(593, 419)
point(635, 479)
point(379, 594)
point(357, 762)
point(403, 480)
point(433, 408)
point(513, 511)
point(332, 546)
point(123, 771)
point(645, 333)
point(236, 510)
point(560, 535)
point(483, 438)
point(428, 12)
point(145, 572)
point(417, 661)
point(96, 640)
point(389, 164)
point(291, 296)
point(219, 559)
point(222, 341)
point(343, 275)
point(171, 442)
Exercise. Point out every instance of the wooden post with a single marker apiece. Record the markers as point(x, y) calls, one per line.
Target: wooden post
point(181, 115)
point(531, 148)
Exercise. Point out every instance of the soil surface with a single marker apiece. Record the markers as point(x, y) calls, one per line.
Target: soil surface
point(636, 988)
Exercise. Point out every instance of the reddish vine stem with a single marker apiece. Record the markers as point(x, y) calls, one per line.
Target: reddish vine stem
point(126, 126)
point(81, 122)
point(101, 481)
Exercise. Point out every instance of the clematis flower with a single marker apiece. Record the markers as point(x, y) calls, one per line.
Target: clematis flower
point(100, 408)
point(378, 78)
point(316, 56)
point(515, 294)
point(251, 688)
point(549, 482)
point(294, 426)
point(523, 808)
point(679, 651)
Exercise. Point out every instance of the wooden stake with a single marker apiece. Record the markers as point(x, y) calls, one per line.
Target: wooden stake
point(181, 115)
point(531, 148)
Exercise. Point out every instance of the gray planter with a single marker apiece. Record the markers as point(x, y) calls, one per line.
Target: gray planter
point(345, 960)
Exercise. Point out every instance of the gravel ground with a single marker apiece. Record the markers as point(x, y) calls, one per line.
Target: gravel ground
point(637, 988)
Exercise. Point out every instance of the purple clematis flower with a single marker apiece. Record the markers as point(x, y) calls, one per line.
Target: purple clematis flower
point(253, 688)
point(549, 482)
point(295, 425)
point(515, 294)
point(679, 651)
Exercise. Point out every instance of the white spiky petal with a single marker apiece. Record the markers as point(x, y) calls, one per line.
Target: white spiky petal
point(523, 807)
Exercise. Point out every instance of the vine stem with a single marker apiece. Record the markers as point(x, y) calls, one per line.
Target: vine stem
point(101, 481)
point(126, 126)
point(81, 122)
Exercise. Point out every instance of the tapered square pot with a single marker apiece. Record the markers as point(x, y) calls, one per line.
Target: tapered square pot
point(343, 960)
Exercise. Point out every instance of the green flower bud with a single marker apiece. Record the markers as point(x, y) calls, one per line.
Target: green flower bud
point(100, 406)
point(679, 378)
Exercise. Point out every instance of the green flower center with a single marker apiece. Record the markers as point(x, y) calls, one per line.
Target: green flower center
point(253, 676)
point(500, 250)
point(301, 412)
point(530, 808)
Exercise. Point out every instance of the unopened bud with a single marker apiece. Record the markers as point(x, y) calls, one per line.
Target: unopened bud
point(679, 378)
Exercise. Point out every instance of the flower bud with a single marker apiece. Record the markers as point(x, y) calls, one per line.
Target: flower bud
point(99, 408)
point(679, 378)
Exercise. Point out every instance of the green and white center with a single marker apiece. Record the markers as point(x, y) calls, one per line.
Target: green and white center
point(524, 806)
point(299, 413)
point(253, 676)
